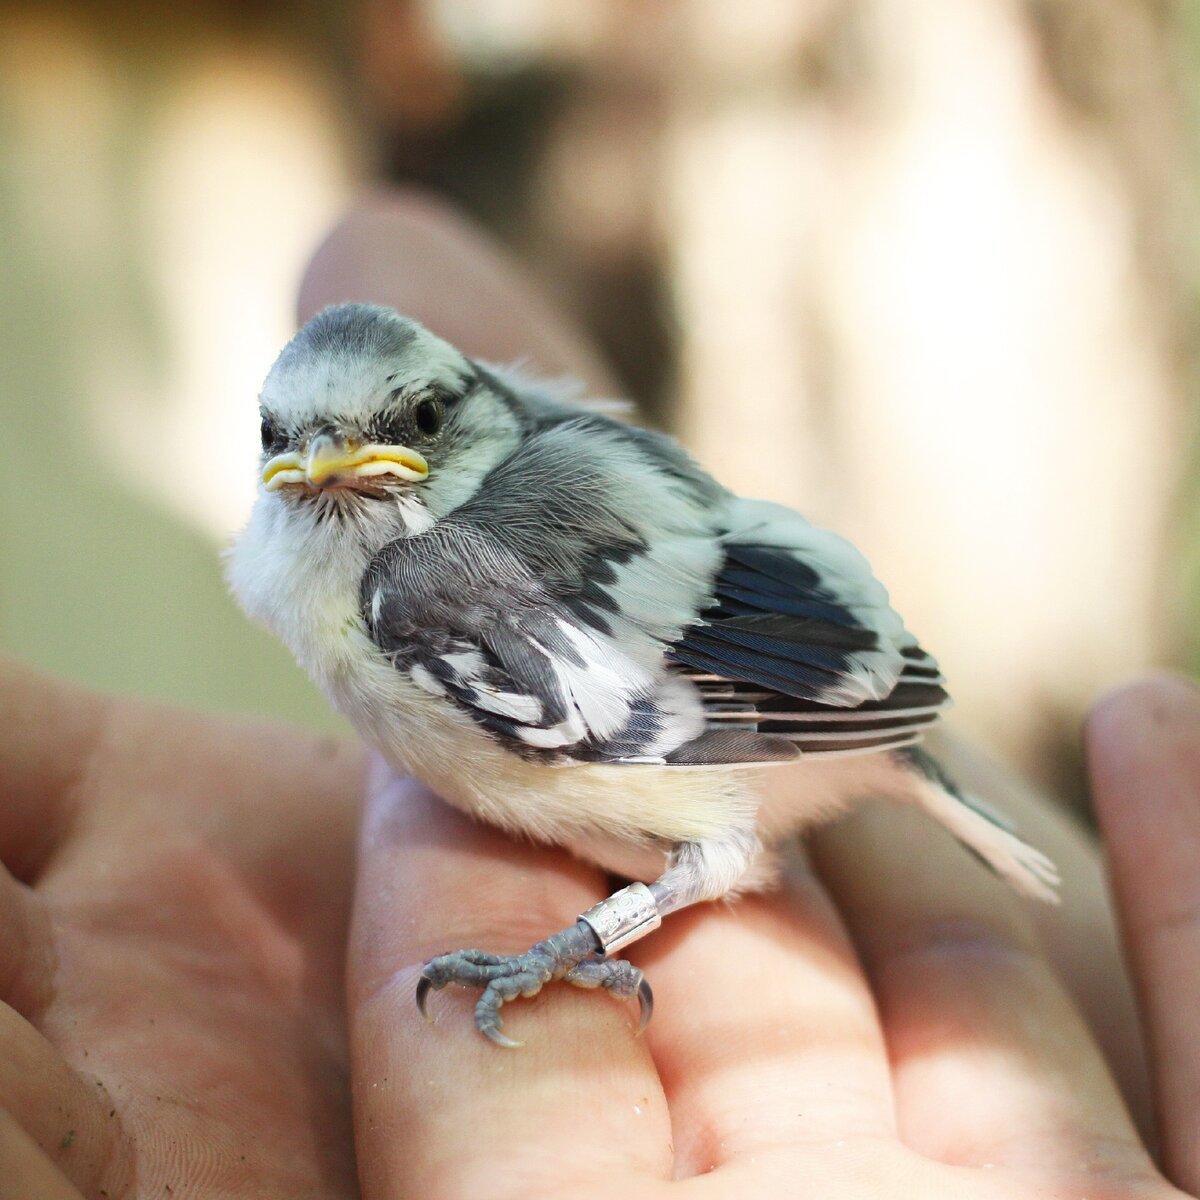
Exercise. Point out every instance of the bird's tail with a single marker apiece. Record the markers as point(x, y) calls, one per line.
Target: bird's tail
point(981, 829)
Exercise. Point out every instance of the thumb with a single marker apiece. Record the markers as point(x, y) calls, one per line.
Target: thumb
point(1143, 749)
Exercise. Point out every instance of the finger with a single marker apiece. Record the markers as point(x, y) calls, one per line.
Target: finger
point(28, 1171)
point(1080, 936)
point(765, 1032)
point(1143, 747)
point(26, 954)
point(416, 255)
point(438, 1109)
point(47, 731)
point(73, 1122)
point(991, 1061)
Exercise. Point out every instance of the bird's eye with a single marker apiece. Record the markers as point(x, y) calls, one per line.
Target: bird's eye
point(429, 415)
point(269, 433)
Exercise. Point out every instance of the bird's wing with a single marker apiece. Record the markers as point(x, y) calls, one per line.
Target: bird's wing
point(801, 645)
point(536, 682)
point(547, 622)
point(602, 600)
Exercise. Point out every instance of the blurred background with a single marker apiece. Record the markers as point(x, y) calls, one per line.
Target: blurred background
point(927, 271)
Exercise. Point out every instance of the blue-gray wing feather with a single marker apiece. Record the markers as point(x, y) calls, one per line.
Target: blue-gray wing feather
point(575, 627)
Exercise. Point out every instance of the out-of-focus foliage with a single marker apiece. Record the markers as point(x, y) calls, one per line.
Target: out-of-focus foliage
point(927, 270)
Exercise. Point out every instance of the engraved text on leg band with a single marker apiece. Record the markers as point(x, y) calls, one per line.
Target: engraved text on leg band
point(624, 917)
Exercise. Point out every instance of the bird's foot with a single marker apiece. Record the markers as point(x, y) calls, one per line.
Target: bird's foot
point(618, 977)
point(572, 955)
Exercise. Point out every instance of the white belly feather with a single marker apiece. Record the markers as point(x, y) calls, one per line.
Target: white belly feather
point(608, 813)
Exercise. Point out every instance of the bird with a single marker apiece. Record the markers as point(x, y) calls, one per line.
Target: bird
point(566, 628)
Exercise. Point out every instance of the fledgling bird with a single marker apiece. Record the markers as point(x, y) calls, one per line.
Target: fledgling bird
point(566, 628)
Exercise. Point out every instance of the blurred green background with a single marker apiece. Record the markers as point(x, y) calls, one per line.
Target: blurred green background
point(926, 270)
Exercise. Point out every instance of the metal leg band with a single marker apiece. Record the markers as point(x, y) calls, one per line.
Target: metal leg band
point(624, 917)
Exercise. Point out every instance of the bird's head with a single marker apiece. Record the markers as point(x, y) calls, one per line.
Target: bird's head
point(371, 420)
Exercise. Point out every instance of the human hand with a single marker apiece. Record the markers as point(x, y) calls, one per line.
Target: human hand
point(177, 1003)
point(891, 1029)
point(172, 928)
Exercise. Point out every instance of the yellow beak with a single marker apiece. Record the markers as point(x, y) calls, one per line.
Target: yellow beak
point(331, 462)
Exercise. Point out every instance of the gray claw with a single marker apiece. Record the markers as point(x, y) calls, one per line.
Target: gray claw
point(424, 984)
point(500, 1038)
point(645, 995)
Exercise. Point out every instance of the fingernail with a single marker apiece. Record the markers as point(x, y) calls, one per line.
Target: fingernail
point(1151, 706)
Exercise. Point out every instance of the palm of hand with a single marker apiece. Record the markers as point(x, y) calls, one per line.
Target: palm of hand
point(172, 978)
point(180, 952)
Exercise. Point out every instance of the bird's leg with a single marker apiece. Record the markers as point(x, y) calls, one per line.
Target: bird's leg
point(580, 953)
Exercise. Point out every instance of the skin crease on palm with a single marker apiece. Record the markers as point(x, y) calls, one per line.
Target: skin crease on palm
point(175, 913)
